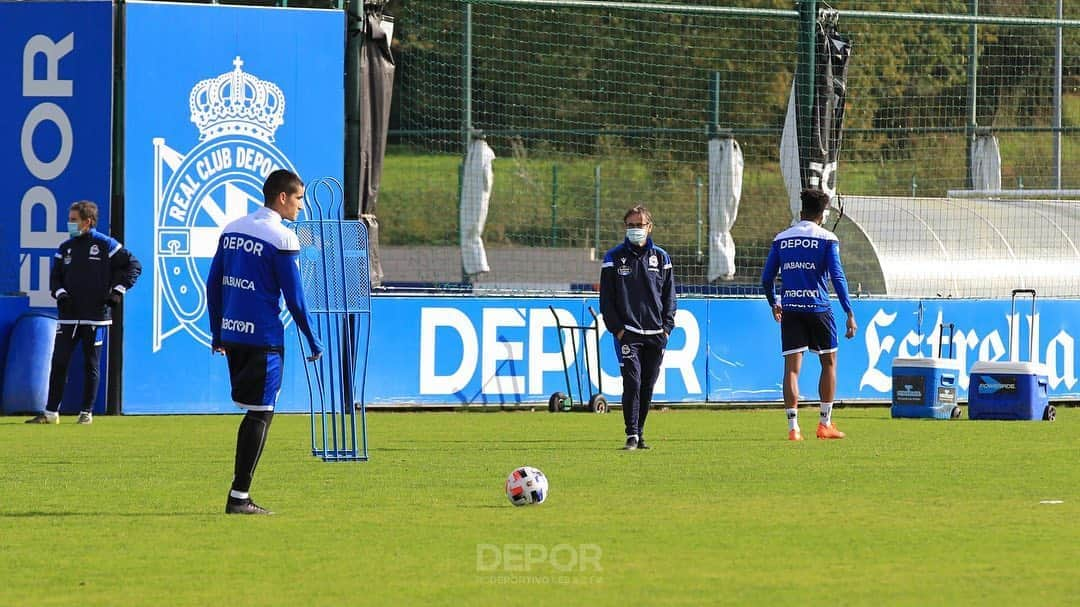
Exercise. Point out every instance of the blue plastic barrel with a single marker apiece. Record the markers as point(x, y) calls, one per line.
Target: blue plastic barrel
point(29, 357)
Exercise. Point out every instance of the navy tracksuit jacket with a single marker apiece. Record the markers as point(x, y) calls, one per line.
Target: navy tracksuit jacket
point(637, 296)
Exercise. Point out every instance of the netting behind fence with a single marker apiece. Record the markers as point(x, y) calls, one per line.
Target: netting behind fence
point(590, 109)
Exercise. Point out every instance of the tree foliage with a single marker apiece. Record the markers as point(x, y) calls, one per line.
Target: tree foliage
point(594, 72)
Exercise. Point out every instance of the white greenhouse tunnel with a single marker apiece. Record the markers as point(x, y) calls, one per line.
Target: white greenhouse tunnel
point(952, 247)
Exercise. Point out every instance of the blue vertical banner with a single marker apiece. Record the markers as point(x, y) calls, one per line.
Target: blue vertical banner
point(56, 84)
point(216, 98)
point(56, 99)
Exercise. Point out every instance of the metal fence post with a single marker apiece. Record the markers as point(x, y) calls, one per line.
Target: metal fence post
point(973, 74)
point(1058, 64)
point(697, 193)
point(466, 79)
point(554, 203)
point(806, 72)
point(596, 204)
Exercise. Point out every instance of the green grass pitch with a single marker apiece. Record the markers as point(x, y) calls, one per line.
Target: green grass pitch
point(722, 510)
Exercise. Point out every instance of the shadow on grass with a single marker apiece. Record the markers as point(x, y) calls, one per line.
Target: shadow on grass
point(42, 513)
point(579, 445)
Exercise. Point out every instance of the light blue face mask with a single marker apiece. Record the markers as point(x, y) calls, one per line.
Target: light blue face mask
point(637, 235)
point(73, 229)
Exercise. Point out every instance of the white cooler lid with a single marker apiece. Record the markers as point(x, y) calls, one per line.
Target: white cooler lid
point(1009, 366)
point(927, 363)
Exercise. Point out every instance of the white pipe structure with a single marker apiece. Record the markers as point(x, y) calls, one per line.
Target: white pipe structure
point(1021, 193)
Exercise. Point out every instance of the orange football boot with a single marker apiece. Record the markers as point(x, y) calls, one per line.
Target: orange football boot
point(795, 434)
point(829, 431)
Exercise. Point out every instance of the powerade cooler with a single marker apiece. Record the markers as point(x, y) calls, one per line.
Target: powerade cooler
point(926, 387)
point(1011, 390)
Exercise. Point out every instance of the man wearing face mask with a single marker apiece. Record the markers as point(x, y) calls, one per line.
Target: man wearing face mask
point(637, 299)
point(91, 272)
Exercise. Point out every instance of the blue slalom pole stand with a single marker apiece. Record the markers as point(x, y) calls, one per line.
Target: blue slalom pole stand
point(336, 277)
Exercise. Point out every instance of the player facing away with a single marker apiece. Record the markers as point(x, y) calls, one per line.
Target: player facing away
point(254, 266)
point(806, 255)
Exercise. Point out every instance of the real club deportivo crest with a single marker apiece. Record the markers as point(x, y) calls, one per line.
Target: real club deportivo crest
point(196, 194)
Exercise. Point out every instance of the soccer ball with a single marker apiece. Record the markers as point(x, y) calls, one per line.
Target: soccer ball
point(526, 486)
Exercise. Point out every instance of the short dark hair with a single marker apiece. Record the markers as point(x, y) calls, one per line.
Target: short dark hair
point(86, 210)
point(279, 181)
point(638, 209)
point(814, 203)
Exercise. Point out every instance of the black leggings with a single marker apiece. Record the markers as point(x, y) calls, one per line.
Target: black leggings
point(67, 336)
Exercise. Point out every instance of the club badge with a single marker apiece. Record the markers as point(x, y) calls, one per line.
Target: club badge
point(196, 194)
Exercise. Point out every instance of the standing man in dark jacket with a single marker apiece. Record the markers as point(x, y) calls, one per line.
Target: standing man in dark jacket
point(637, 299)
point(91, 272)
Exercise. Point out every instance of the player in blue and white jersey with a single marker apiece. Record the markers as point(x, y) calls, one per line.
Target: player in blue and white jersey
point(806, 256)
point(255, 265)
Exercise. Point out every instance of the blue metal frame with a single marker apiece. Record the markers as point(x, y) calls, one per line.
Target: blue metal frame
point(335, 272)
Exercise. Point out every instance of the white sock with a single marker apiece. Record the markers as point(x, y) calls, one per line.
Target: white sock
point(826, 413)
point(52, 414)
point(792, 419)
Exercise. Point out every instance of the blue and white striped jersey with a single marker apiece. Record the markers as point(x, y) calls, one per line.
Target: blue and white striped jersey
point(255, 265)
point(805, 255)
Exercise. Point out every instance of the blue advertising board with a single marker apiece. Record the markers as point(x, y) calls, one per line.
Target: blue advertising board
point(56, 98)
point(987, 330)
point(216, 98)
point(505, 352)
point(499, 351)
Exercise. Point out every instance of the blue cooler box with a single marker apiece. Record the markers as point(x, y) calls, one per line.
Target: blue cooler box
point(925, 387)
point(1009, 390)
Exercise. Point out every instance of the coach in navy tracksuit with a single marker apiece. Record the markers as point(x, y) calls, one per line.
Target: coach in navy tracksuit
point(91, 272)
point(637, 299)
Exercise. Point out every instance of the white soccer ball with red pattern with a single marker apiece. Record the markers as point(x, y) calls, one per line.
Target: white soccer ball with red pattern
point(526, 486)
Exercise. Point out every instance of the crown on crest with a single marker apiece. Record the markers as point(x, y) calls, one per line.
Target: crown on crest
point(237, 103)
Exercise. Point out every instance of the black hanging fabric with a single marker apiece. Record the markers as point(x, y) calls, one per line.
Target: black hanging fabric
point(369, 68)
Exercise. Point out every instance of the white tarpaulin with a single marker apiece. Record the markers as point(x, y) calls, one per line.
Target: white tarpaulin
point(725, 189)
point(985, 164)
point(475, 194)
point(789, 158)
